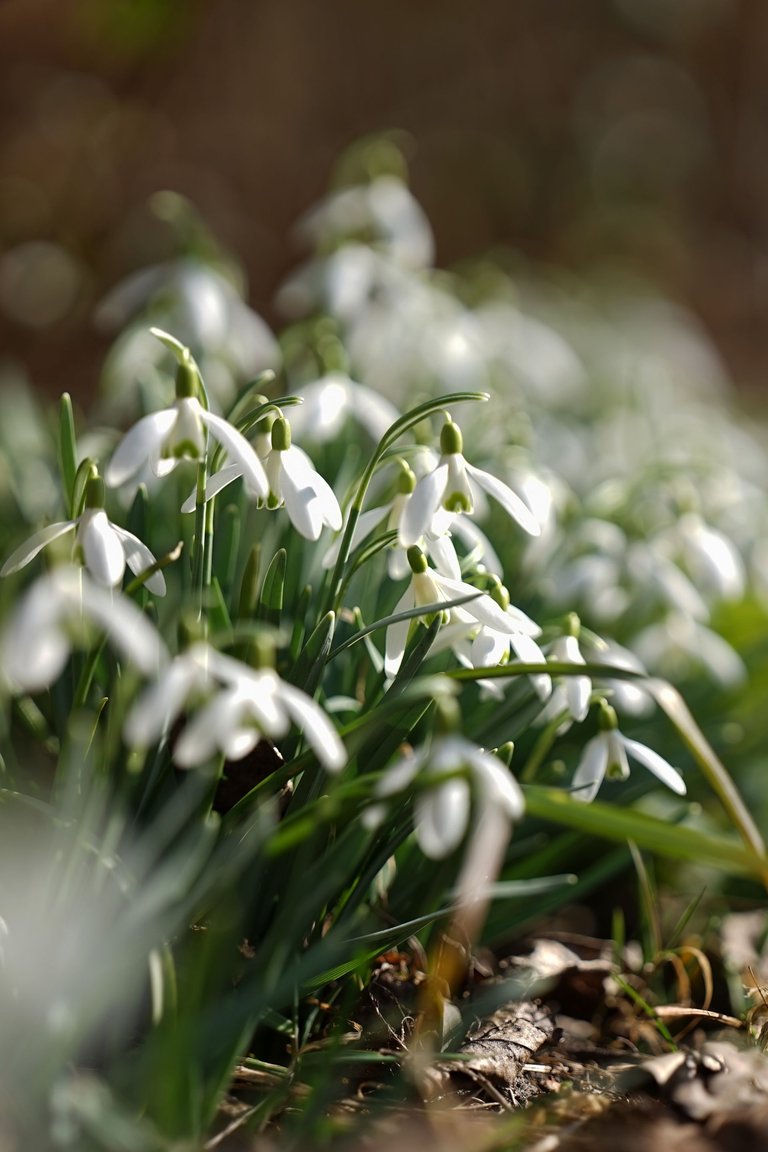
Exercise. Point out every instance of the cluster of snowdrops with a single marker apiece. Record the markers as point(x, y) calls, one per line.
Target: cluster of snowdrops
point(380, 548)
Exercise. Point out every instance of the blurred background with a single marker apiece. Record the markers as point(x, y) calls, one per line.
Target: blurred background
point(582, 135)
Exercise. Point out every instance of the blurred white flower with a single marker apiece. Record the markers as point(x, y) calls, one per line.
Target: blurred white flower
point(713, 560)
point(384, 212)
point(106, 548)
point(677, 642)
point(235, 706)
point(54, 615)
point(442, 811)
point(206, 311)
point(452, 487)
point(329, 401)
point(606, 755)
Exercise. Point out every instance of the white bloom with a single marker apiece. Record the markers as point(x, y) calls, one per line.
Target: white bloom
point(428, 586)
point(490, 648)
point(329, 401)
point(388, 517)
point(606, 754)
point(453, 486)
point(442, 811)
point(712, 559)
point(54, 614)
point(106, 549)
point(240, 704)
point(292, 481)
point(571, 693)
point(385, 209)
point(677, 642)
point(163, 438)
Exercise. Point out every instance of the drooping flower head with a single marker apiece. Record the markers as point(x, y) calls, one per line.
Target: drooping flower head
point(428, 586)
point(606, 755)
point(232, 707)
point(162, 439)
point(58, 612)
point(105, 548)
point(453, 486)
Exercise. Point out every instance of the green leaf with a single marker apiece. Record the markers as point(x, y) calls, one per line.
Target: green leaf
point(249, 596)
point(308, 669)
point(623, 824)
point(272, 597)
point(67, 450)
point(218, 614)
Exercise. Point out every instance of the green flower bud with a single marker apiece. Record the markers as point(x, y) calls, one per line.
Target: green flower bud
point(451, 440)
point(406, 478)
point(417, 560)
point(281, 435)
point(94, 492)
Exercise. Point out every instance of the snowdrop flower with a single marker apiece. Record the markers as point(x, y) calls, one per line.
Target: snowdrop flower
point(106, 549)
point(453, 486)
point(677, 642)
point(384, 210)
point(607, 755)
point(388, 517)
point(292, 483)
point(571, 693)
point(487, 647)
point(163, 438)
point(240, 704)
point(54, 615)
point(712, 559)
point(442, 811)
point(334, 397)
point(428, 586)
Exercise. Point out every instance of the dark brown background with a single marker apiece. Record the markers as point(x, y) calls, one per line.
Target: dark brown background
point(577, 131)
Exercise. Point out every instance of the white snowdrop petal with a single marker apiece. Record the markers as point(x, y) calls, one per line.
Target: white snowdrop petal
point(214, 484)
point(401, 774)
point(240, 450)
point(260, 693)
point(140, 444)
point(420, 509)
point(203, 734)
point(310, 718)
point(509, 500)
point(441, 816)
point(154, 711)
point(30, 548)
point(32, 662)
point(125, 625)
point(577, 692)
point(443, 555)
point(397, 634)
point(138, 558)
point(655, 764)
point(591, 769)
point(303, 508)
point(496, 781)
point(102, 548)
